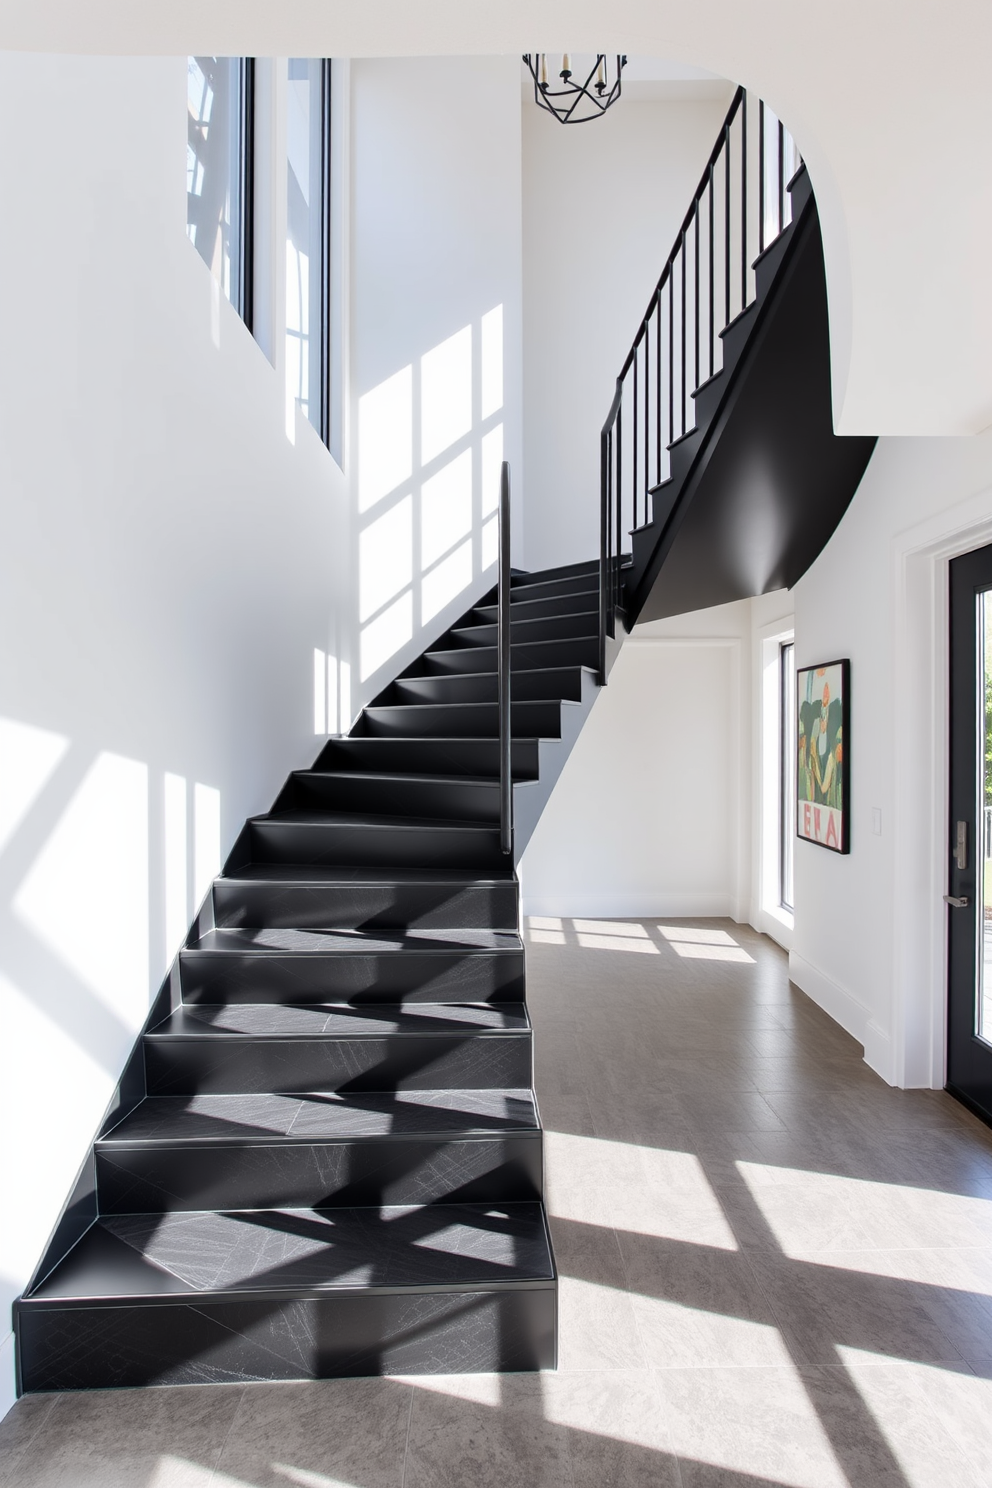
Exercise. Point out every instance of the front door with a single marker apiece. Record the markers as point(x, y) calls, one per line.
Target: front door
point(969, 877)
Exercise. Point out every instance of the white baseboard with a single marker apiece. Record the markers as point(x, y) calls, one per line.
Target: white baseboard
point(599, 906)
point(8, 1381)
point(878, 1052)
point(845, 1009)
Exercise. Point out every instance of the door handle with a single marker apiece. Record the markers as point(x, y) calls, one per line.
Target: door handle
point(955, 902)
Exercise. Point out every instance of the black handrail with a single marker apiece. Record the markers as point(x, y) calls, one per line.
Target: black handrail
point(503, 667)
point(721, 228)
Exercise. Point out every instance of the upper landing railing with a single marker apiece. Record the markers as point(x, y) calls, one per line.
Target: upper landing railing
point(740, 207)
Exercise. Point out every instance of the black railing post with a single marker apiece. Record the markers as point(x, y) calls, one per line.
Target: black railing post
point(503, 668)
point(761, 175)
point(743, 200)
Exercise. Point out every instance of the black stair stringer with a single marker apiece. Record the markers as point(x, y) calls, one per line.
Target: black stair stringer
point(758, 487)
point(325, 1156)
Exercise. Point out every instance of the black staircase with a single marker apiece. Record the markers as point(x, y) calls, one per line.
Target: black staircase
point(325, 1156)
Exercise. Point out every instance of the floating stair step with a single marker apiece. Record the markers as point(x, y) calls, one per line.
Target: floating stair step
point(522, 608)
point(553, 627)
point(529, 656)
point(459, 797)
point(293, 1293)
point(373, 841)
point(264, 1150)
point(240, 1048)
point(564, 571)
point(468, 720)
point(289, 965)
point(307, 896)
point(428, 756)
point(550, 685)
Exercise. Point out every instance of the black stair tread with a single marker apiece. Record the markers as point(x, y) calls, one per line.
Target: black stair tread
point(238, 939)
point(518, 672)
point(315, 873)
point(302, 1251)
point(407, 777)
point(371, 820)
point(316, 1020)
point(581, 613)
point(324, 1116)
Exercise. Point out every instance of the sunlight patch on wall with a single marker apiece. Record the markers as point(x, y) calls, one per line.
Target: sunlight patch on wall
point(385, 438)
point(445, 394)
point(176, 865)
point(645, 1190)
point(330, 683)
point(37, 1055)
point(86, 895)
point(385, 559)
point(28, 756)
point(492, 460)
point(206, 840)
point(445, 582)
point(385, 635)
point(492, 361)
point(446, 509)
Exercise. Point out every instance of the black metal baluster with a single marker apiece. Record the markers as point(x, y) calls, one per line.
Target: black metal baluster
point(781, 176)
point(744, 200)
point(761, 175)
point(671, 360)
point(726, 225)
point(711, 328)
point(619, 499)
point(647, 411)
point(657, 384)
point(695, 305)
point(503, 653)
point(634, 442)
point(682, 377)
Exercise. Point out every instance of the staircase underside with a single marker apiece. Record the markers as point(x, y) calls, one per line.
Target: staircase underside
point(759, 487)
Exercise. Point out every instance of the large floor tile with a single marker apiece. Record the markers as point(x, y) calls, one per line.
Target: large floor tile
point(156, 1438)
point(336, 1431)
point(454, 1442)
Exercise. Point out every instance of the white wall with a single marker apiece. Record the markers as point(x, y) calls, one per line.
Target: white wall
point(869, 934)
point(435, 263)
point(651, 813)
point(602, 207)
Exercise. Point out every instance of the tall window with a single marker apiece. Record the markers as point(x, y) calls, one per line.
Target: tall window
point(308, 239)
point(787, 809)
point(219, 171)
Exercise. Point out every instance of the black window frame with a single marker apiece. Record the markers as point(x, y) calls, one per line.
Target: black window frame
point(319, 309)
point(242, 295)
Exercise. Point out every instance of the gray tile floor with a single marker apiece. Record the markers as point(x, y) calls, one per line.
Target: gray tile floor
point(775, 1271)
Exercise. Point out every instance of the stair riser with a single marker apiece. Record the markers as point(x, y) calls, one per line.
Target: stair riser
point(465, 720)
point(376, 847)
point(555, 628)
point(537, 656)
point(346, 906)
point(448, 800)
point(94, 1347)
point(159, 1179)
point(541, 606)
point(178, 1066)
point(475, 688)
point(428, 756)
point(285, 977)
point(546, 588)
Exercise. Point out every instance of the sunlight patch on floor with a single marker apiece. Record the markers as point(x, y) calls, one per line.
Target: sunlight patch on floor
point(807, 1211)
point(646, 1190)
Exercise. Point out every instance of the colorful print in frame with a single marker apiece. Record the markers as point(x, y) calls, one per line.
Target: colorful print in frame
point(823, 784)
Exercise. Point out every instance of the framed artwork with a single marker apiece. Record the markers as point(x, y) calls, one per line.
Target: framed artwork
point(823, 767)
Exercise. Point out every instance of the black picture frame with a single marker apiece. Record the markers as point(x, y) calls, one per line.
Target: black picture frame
point(823, 755)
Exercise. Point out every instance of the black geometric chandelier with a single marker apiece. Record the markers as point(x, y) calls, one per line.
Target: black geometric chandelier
point(564, 94)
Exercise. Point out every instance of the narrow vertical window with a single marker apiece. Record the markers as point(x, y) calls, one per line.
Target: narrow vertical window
point(787, 808)
point(219, 171)
point(308, 239)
